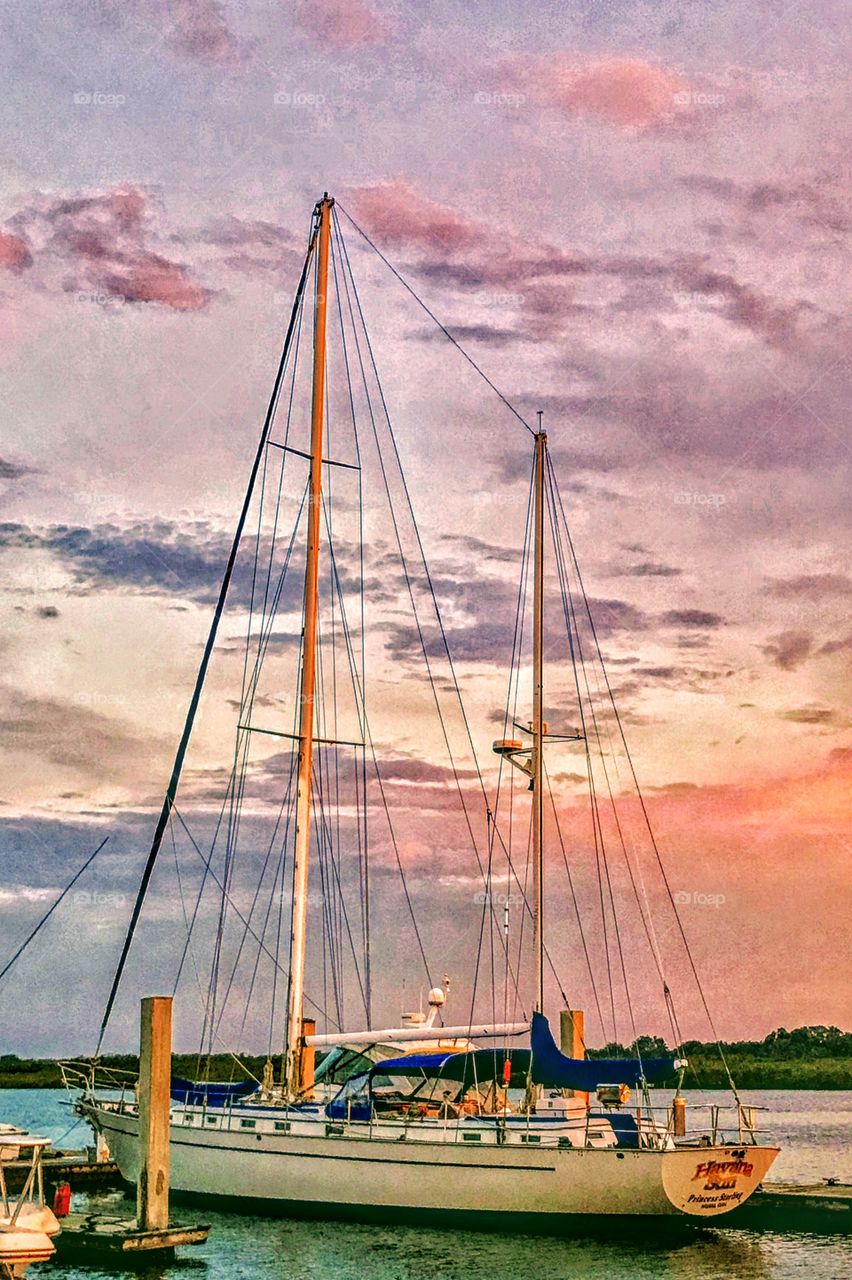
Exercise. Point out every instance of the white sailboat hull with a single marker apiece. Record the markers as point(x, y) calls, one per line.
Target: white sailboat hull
point(345, 1176)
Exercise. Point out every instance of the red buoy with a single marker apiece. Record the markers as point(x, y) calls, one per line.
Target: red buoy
point(62, 1200)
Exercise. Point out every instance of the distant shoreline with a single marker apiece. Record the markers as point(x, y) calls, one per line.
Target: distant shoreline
point(749, 1070)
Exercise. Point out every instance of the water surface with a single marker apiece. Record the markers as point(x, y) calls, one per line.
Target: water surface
point(814, 1129)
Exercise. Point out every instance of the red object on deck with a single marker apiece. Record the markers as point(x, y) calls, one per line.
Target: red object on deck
point(507, 1072)
point(62, 1200)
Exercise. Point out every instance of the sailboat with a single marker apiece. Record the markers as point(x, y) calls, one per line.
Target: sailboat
point(446, 1120)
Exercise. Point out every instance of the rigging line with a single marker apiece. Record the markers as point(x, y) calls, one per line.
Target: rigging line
point(335, 875)
point(256, 897)
point(514, 681)
point(582, 931)
point(174, 780)
point(43, 921)
point(512, 702)
point(367, 737)
point(237, 911)
point(279, 920)
point(404, 564)
point(241, 752)
point(566, 594)
point(328, 506)
point(328, 776)
point(282, 895)
point(566, 591)
point(203, 884)
point(229, 1052)
point(575, 648)
point(324, 842)
point(363, 840)
point(249, 994)
point(288, 421)
point(469, 358)
point(337, 593)
point(266, 635)
point(242, 748)
point(485, 902)
point(644, 809)
point(187, 944)
point(424, 562)
point(514, 678)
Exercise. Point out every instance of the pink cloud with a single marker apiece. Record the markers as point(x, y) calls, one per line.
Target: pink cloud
point(346, 24)
point(402, 215)
point(628, 92)
point(196, 29)
point(14, 253)
point(102, 242)
point(154, 279)
point(199, 29)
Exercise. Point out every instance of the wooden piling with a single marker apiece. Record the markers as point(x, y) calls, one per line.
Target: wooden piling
point(572, 1032)
point(679, 1117)
point(307, 1061)
point(155, 1068)
point(572, 1039)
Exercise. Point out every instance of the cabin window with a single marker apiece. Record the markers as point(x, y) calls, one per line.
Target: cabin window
point(472, 1137)
point(282, 1126)
point(211, 1119)
point(530, 1137)
point(187, 1119)
point(248, 1124)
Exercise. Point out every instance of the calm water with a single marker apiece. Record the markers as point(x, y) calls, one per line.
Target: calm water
point(814, 1128)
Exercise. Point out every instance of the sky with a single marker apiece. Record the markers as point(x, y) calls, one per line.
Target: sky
point(633, 216)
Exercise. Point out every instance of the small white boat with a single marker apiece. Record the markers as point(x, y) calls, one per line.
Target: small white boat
point(26, 1223)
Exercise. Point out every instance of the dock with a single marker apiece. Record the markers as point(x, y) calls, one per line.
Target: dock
point(74, 1167)
point(786, 1206)
point(97, 1235)
point(152, 1234)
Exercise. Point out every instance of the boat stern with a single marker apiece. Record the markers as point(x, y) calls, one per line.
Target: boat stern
point(707, 1181)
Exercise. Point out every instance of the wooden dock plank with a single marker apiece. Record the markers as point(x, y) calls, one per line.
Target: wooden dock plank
point(103, 1234)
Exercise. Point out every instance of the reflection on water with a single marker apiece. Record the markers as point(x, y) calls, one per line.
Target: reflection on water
point(815, 1127)
point(247, 1248)
point(243, 1248)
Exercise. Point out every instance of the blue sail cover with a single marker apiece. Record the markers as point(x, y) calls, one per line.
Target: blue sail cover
point(555, 1071)
point(210, 1093)
point(471, 1066)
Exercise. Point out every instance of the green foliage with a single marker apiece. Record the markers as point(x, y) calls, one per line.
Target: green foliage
point(807, 1058)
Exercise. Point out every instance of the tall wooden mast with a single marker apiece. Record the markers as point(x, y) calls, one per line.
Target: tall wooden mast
point(538, 726)
point(307, 692)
